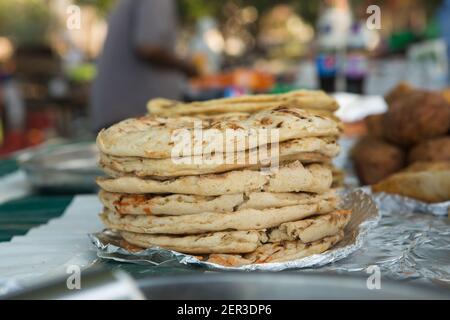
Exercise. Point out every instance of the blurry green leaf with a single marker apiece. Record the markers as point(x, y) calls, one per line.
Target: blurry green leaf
point(103, 6)
point(25, 21)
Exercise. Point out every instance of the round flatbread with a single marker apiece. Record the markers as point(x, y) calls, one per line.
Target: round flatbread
point(182, 204)
point(264, 200)
point(277, 252)
point(306, 230)
point(311, 229)
point(300, 98)
point(306, 150)
point(292, 250)
point(246, 219)
point(293, 177)
point(156, 137)
point(216, 242)
point(173, 205)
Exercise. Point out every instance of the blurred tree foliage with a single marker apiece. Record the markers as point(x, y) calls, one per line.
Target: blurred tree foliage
point(25, 21)
point(103, 6)
point(191, 10)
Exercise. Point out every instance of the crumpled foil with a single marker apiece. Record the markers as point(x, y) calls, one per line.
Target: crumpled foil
point(364, 218)
point(404, 245)
point(393, 202)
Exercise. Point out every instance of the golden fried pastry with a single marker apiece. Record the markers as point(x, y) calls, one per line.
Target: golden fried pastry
point(400, 90)
point(374, 125)
point(437, 149)
point(417, 116)
point(446, 94)
point(375, 160)
point(425, 181)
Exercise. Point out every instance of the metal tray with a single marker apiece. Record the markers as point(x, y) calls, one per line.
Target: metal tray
point(62, 169)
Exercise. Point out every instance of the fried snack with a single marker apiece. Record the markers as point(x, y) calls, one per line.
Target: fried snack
point(374, 125)
point(375, 160)
point(446, 94)
point(415, 117)
point(400, 90)
point(437, 149)
point(425, 181)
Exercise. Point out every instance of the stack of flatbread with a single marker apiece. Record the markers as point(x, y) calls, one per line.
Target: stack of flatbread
point(255, 207)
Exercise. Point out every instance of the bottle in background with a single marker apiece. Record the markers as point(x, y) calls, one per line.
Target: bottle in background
point(326, 60)
point(356, 62)
point(333, 27)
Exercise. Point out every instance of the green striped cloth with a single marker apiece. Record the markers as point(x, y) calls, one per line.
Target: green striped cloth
point(20, 215)
point(7, 166)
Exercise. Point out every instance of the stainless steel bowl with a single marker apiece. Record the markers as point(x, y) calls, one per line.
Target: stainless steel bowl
point(62, 169)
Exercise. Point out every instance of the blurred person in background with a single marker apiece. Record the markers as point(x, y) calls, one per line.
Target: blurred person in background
point(12, 104)
point(138, 61)
point(444, 26)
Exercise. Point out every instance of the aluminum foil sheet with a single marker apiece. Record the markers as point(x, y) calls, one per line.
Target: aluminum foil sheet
point(404, 245)
point(364, 218)
point(392, 202)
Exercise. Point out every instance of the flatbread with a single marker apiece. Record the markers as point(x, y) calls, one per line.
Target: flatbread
point(311, 229)
point(228, 260)
point(293, 177)
point(306, 150)
point(246, 219)
point(292, 250)
point(182, 204)
point(136, 169)
point(155, 137)
point(140, 169)
point(217, 242)
point(263, 200)
point(174, 204)
point(277, 252)
point(299, 98)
